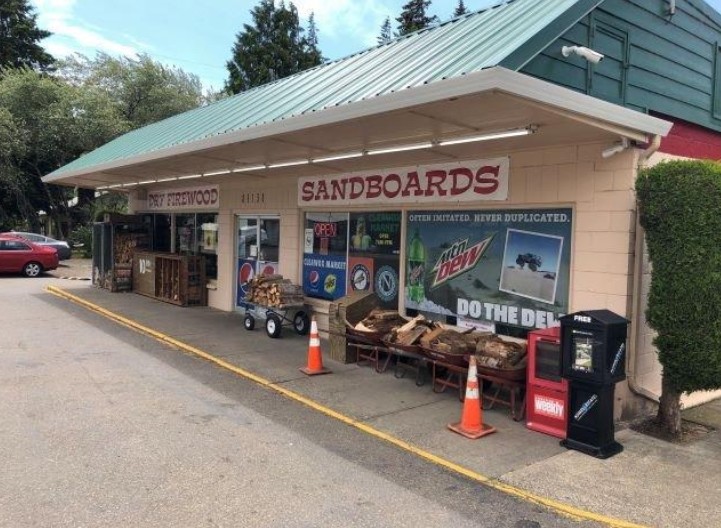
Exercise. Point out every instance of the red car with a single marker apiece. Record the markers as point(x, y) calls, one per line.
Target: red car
point(19, 255)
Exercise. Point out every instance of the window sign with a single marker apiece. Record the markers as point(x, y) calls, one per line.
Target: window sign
point(344, 253)
point(485, 268)
point(373, 255)
point(324, 267)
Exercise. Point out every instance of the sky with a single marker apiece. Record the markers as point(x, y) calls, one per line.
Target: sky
point(199, 40)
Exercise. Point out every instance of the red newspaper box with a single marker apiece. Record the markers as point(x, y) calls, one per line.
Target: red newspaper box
point(547, 391)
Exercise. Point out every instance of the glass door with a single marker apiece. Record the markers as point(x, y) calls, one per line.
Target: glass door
point(258, 243)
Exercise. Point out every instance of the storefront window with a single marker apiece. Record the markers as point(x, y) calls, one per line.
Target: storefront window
point(161, 232)
point(185, 234)
point(352, 252)
point(325, 255)
point(195, 234)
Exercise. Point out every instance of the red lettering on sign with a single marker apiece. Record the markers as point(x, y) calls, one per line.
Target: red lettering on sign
point(459, 174)
point(307, 192)
point(413, 183)
point(356, 187)
point(435, 180)
point(325, 229)
point(338, 191)
point(396, 180)
point(374, 186)
point(487, 184)
point(322, 192)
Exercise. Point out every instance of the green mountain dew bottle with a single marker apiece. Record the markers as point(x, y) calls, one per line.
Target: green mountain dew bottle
point(416, 269)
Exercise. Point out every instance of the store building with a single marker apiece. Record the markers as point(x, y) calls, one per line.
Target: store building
point(480, 171)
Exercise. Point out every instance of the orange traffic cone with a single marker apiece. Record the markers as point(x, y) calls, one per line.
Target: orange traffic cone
point(471, 424)
point(315, 359)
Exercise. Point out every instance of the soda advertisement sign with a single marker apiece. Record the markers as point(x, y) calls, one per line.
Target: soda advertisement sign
point(246, 271)
point(449, 182)
point(500, 267)
point(324, 276)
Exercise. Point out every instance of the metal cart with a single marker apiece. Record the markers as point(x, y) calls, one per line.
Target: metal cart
point(276, 317)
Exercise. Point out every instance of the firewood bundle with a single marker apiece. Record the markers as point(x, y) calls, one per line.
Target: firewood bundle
point(125, 245)
point(450, 340)
point(380, 321)
point(275, 291)
point(500, 353)
point(411, 332)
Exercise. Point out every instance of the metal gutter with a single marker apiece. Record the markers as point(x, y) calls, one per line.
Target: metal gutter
point(636, 307)
point(496, 78)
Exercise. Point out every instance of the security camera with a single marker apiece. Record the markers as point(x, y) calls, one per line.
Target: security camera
point(616, 148)
point(590, 55)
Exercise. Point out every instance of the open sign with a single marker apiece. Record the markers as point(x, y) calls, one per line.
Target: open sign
point(325, 229)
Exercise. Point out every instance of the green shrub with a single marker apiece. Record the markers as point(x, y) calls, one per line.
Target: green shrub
point(680, 209)
point(82, 236)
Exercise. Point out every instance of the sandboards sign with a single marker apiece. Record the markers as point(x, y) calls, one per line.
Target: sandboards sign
point(508, 267)
point(448, 182)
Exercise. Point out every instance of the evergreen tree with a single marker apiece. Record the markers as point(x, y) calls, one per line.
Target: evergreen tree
point(19, 37)
point(313, 56)
point(460, 9)
point(271, 48)
point(414, 17)
point(385, 35)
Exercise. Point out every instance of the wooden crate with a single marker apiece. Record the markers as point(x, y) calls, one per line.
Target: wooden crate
point(352, 308)
point(176, 279)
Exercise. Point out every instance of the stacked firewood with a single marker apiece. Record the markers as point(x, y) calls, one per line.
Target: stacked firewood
point(451, 340)
point(275, 291)
point(124, 248)
point(411, 332)
point(380, 321)
point(501, 352)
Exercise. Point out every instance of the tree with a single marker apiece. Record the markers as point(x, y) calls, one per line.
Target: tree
point(414, 17)
point(385, 35)
point(271, 48)
point(680, 209)
point(460, 9)
point(50, 123)
point(144, 90)
point(313, 56)
point(19, 37)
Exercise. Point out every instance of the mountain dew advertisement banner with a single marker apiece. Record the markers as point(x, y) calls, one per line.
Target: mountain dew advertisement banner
point(508, 267)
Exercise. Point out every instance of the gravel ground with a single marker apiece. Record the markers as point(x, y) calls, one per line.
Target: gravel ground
point(73, 268)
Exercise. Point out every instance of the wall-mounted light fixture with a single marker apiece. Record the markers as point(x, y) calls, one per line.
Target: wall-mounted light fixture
point(586, 53)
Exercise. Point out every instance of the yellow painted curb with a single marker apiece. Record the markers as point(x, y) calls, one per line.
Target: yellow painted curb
point(559, 507)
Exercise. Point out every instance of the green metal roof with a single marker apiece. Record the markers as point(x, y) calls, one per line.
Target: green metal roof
point(452, 49)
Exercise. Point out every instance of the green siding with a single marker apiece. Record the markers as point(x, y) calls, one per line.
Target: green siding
point(671, 64)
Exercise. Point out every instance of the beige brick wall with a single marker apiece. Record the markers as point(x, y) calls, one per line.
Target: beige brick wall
point(601, 192)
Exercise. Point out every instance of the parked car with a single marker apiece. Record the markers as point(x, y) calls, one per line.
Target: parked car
point(64, 251)
point(18, 255)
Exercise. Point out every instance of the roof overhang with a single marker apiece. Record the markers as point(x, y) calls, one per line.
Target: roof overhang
point(485, 101)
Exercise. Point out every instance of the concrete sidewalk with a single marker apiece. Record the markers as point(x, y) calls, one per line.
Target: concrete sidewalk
point(651, 482)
